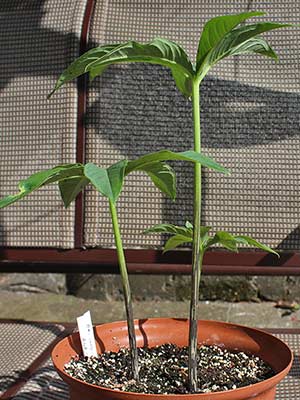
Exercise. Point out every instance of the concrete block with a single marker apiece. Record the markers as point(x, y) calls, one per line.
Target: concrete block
point(33, 282)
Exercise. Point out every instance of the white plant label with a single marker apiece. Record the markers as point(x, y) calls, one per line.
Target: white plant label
point(86, 334)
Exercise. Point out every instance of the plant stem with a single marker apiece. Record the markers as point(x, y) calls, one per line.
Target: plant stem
point(197, 254)
point(126, 292)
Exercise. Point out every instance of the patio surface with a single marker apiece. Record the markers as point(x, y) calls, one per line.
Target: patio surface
point(65, 308)
point(30, 374)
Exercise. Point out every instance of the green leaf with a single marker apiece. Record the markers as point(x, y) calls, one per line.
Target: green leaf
point(230, 242)
point(70, 188)
point(171, 229)
point(204, 234)
point(98, 176)
point(43, 178)
point(180, 234)
point(108, 181)
point(96, 72)
point(216, 28)
point(255, 45)
point(116, 173)
point(167, 155)
point(176, 241)
point(12, 198)
point(163, 177)
point(242, 239)
point(159, 51)
point(204, 230)
point(241, 40)
point(188, 225)
point(225, 239)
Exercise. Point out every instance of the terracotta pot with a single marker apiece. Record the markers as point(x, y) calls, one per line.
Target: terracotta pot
point(153, 332)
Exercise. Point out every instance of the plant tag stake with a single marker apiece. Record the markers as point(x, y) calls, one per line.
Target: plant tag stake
point(86, 334)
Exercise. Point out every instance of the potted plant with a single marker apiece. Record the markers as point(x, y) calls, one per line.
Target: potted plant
point(222, 37)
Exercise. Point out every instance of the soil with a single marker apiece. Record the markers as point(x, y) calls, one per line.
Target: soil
point(163, 370)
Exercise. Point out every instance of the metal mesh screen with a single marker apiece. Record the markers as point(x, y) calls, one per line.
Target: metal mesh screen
point(45, 384)
point(290, 386)
point(38, 39)
point(20, 345)
point(250, 121)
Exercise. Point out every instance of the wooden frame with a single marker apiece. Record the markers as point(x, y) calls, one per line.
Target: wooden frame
point(146, 261)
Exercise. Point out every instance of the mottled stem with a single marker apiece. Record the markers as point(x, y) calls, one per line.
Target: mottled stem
point(197, 255)
point(126, 292)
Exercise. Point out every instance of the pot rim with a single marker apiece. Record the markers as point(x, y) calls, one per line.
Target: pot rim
point(270, 382)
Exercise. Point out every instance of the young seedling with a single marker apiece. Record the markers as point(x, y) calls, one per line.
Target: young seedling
point(185, 234)
point(73, 178)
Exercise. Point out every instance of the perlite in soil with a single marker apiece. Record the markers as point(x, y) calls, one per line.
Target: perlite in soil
point(164, 370)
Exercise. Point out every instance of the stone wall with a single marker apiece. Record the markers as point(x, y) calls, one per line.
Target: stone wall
point(146, 287)
point(155, 287)
point(33, 282)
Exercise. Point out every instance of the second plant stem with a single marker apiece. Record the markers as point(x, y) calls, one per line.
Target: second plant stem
point(197, 254)
point(126, 291)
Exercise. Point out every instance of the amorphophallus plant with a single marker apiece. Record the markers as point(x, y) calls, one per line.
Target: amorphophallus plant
point(222, 37)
